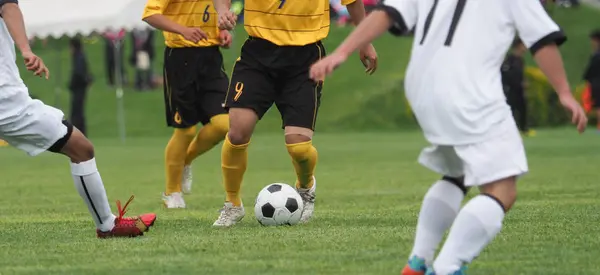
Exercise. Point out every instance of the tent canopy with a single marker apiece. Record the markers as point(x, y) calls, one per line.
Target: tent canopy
point(55, 18)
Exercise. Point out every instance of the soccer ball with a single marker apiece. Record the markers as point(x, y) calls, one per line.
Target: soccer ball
point(278, 204)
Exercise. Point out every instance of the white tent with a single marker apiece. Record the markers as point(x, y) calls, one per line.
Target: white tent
point(56, 18)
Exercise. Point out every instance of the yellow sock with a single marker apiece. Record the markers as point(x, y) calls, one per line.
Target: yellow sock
point(175, 157)
point(210, 135)
point(304, 157)
point(234, 159)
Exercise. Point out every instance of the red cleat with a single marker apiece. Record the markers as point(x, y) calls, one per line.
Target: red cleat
point(129, 226)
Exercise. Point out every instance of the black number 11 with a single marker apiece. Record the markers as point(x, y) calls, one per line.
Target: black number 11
point(460, 7)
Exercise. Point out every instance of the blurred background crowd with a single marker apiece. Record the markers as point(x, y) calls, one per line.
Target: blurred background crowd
point(130, 56)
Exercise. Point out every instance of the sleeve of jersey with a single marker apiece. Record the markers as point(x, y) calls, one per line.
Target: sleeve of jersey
point(535, 27)
point(154, 7)
point(348, 2)
point(403, 14)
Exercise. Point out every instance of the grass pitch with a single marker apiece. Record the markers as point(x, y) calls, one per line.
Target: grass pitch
point(370, 189)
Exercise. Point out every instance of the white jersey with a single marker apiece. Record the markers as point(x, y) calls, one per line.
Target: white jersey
point(25, 123)
point(9, 72)
point(453, 80)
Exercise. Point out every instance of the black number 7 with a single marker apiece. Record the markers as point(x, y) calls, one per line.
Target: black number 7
point(460, 7)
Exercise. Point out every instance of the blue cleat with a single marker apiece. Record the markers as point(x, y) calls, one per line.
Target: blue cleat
point(415, 266)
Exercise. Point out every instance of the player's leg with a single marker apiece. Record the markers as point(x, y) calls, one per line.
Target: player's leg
point(249, 96)
point(213, 84)
point(180, 93)
point(299, 104)
point(522, 107)
point(35, 128)
point(91, 189)
point(492, 165)
point(211, 134)
point(439, 208)
point(598, 119)
point(596, 105)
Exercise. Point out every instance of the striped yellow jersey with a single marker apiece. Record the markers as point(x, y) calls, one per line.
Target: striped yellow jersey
point(288, 22)
point(190, 13)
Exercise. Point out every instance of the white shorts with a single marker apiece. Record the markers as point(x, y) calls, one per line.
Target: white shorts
point(481, 163)
point(28, 124)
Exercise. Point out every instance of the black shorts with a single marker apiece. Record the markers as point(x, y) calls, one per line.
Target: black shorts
point(266, 73)
point(195, 85)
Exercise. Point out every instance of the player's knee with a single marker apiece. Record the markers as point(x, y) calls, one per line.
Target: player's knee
point(296, 138)
point(300, 150)
point(187, 133)
point(294, 134)
point(78, 148)
point(237, 137)
point(503, 191)
point(220, 123)
point(241, 125)
point(458, 182)
point(74, 145)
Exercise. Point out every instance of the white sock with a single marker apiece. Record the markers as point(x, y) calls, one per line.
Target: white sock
point(91, 189)
point(476, 225)
point(439, 208)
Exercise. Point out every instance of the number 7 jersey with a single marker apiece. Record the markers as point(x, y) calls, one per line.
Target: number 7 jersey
point(453, 80)
point(190, 13)
point(288, 22)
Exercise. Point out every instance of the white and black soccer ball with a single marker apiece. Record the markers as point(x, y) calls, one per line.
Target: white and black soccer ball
point(278, 204)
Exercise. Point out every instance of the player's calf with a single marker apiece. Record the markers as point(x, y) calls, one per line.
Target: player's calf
point(91, 188)
point(304, 158)
point(438, 211)
point(482, 217)
point(208, 137)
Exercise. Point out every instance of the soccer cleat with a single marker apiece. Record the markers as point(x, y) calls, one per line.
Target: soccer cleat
point(415, 266)
point(175, 200)
point(128, 226)
point(230, 215)
point(308, 198)
point(186, 179)
point(462, 271)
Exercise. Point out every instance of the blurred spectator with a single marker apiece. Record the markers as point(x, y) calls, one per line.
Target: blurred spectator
point(78, 85)
point(592, 74)
point(370, 5)
point(237, 7)
point(567, 3)
point(513, 80)
point(111, 59)
point(341, 12)
point(142, 57)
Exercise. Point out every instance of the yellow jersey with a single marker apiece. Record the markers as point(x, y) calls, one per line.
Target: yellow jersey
point(190, 13)
point(288, 22)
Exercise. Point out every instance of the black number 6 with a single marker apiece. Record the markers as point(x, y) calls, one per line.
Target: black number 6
point(206, 14)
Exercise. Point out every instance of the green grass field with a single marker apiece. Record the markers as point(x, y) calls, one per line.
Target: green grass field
point(370, 186)
point(370, 189)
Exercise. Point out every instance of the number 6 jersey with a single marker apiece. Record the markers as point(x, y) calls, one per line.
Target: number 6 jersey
point(190, 13)
point(453, 80)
